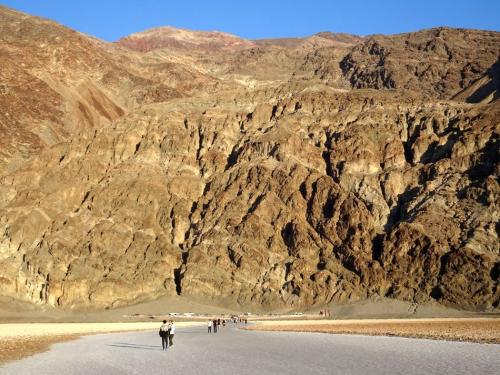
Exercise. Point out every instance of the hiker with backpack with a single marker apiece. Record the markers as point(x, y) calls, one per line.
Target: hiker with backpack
point(164, 334)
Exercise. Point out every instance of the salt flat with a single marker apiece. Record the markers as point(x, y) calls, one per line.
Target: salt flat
point(233, 351)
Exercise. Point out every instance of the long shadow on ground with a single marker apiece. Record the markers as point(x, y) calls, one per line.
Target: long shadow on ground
point(134, 346)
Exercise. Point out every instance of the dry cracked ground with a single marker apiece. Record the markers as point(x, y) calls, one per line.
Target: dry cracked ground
point(279, 173)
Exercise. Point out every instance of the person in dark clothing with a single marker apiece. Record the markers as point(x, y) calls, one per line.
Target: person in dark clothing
point(215, 325)
point(164, 334)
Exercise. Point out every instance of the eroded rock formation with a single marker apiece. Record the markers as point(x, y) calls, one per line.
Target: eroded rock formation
point(330, 177)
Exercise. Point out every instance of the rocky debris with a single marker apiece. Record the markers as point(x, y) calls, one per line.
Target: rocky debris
point(297, 191)
point(438, 62)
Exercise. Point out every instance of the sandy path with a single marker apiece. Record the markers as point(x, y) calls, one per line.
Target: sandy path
point(483, 330)
point(241, 352)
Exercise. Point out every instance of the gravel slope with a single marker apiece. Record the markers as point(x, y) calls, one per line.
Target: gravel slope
point(245, 352)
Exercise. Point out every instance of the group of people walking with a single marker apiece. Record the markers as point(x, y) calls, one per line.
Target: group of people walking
point(167, 329)
point(213, 325)
point(167, 332)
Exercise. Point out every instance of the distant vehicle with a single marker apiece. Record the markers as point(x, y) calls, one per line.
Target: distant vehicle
point(173, 314)
point(189, 314)
point(298, 314)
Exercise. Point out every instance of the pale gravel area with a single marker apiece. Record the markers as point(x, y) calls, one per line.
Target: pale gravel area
point(481, 330)
point(365, 321)
point(234, 351)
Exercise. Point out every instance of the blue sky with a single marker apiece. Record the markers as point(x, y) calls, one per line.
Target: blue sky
point(112, 19)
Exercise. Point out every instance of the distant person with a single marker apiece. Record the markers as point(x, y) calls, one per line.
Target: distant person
point(164, 334)
point(223, 322)
point(215, 325)
point(218, 322)
point(171, 333)
point(210, 326)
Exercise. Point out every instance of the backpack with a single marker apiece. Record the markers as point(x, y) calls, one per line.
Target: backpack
point(164, 333)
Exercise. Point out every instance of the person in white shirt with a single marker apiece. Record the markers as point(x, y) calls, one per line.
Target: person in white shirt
point(164, 334)
point(172, 333)
point(210, 326)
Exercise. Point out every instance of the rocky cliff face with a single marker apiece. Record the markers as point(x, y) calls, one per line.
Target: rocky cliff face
point(228, 177)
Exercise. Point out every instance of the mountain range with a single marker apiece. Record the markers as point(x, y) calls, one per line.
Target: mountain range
point(279, 173)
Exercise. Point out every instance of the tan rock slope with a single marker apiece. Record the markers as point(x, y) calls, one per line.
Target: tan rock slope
point(275, 174)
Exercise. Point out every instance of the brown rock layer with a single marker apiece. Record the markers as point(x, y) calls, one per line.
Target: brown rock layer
point(207, 175)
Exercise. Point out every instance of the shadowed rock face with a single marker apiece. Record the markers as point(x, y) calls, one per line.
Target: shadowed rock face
point(207, 176)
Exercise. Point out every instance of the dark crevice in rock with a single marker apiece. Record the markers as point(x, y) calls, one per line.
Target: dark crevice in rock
point(329, 207)
point(273, 112)
point(495, 272)
point(232, 158)
point(177, 280)
point(311, 199)
point(179, 273)
point(436, 152)
point(321, 265)
point(137, 146)
point(234, 257)
point(378, 246)
point(288, 268)
point(287, 235)
point(487, 161)
point(443, 261)
point(436, 293)
point(303, 190)
point(398, 212)
point(255, 204)
point(328, 165)
point(408, 152)
point(200, 142)
point(85, 197)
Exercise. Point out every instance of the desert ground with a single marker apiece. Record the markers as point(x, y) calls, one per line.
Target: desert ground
point(26, 329)
point(237, 351)
point(480, 330)
point(20, 340)
point(23, 339)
